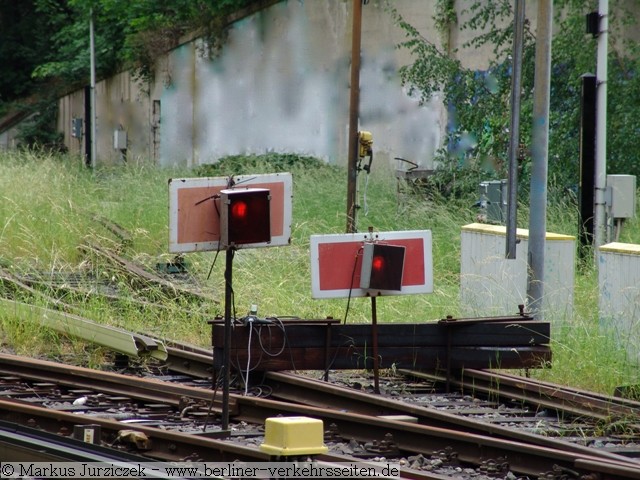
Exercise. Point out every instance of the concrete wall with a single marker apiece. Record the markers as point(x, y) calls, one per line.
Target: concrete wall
point(70, 107)
point(121, 104)
point(281, 83)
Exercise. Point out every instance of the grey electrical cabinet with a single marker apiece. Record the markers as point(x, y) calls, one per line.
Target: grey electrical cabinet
point(76, 127)
point(493, 201)
point(120, 139)
point(621, 195)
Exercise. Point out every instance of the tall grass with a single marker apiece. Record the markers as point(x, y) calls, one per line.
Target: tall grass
point(50, 207)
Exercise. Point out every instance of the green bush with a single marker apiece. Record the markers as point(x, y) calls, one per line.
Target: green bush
point(271, 162)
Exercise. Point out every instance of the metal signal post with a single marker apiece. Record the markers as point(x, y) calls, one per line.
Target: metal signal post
point(226, 361)
point(245, 219)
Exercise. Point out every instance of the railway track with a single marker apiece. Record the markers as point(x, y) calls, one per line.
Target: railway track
point(486, 402)
point(510, 417)
point(170, 421)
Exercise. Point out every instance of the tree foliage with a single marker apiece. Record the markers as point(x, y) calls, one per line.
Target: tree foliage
point(478, 131)
point(49, 39)
point(129, 34)
point(23, 38)
point(44, 44)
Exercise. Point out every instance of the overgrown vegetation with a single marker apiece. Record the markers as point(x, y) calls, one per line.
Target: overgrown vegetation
point(478, 135)
point(52, 213)
point(274, 162)
point(51, 205)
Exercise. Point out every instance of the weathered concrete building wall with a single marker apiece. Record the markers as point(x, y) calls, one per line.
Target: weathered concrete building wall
point(71, 107)
point(122, 105)
point(9, 138)
point(281, 83)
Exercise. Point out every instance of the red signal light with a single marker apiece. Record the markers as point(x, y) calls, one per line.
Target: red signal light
point(377, 264)
point(382, 267)
point(239, 209)
point(245, 216)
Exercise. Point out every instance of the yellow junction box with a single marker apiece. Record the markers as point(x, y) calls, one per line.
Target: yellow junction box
point(289, 436)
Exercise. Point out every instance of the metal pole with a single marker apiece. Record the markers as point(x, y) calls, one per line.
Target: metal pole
point(226, 360)
point(514, 140)
point(540, 157)
point(601, 126)
point(354, 101)
point(587, 162)
point(92, 87)
point(374, 345)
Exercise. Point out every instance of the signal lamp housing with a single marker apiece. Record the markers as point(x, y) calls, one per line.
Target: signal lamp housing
point(382, 267)
point(245, 216)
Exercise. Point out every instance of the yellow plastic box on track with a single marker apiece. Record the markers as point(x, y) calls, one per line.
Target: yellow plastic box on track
point(290, 436)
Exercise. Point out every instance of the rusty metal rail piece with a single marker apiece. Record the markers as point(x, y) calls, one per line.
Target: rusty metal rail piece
point(117, 339)
point(143, 277)
point(575, 402)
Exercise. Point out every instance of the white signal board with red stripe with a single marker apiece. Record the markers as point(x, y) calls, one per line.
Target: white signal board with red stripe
point(194, 210)
point(336, 262)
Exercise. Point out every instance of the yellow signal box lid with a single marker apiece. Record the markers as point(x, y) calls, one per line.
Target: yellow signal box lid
point(289, 436)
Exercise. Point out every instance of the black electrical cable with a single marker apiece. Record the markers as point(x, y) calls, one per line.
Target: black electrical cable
point(350, 342)
point(286, 339)
point(213, 399)
point(218, 249)
point(353, 275)
point(284, 343)
point(263, 350)
point(214, 262)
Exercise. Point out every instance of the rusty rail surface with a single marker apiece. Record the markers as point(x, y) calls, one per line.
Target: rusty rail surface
point(299, 389)
point(24, 444)
point(175, 446)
